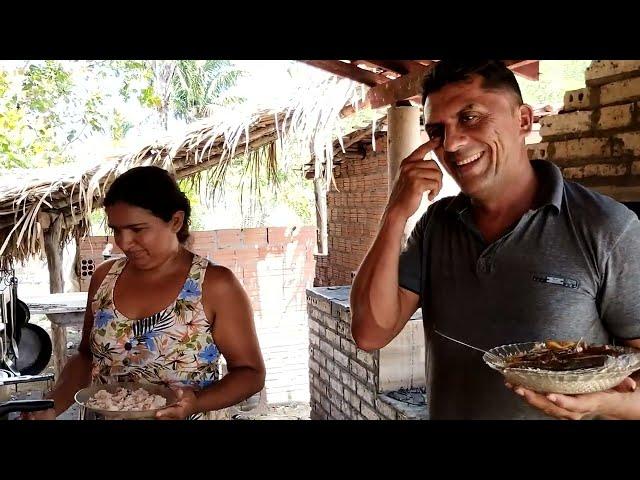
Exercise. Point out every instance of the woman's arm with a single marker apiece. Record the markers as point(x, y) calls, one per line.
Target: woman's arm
point(228, 308)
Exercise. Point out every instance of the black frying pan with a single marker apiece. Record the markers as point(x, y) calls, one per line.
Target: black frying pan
point(35, 349)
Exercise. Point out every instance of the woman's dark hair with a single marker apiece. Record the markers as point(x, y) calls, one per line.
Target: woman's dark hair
point(495, 76)
point(153, 189)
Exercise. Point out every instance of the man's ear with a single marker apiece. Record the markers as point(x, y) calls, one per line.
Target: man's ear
point(525, 113)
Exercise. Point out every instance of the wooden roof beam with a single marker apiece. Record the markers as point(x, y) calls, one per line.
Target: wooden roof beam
point(410, 85)
point(348, 70)
point(390, 92)
point(389, 73)
point(529, 69)
point(399, 66)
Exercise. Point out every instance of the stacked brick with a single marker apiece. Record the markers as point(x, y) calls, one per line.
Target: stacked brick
point(343, 380)
point(595, 139)
point(354, 208)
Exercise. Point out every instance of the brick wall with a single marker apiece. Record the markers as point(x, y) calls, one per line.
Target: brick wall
point(342, 378)
point(595, 139)
point(354, 208)
point(344, 381)
point(275, 265)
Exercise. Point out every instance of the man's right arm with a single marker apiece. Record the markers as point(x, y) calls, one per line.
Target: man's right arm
point(380, 307)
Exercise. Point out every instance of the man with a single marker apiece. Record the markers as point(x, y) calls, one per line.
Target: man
point(519, 255)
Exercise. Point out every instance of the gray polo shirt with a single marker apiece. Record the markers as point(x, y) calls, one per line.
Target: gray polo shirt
point(567, 270)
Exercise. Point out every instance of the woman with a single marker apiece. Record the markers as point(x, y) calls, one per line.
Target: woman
point(162, 314)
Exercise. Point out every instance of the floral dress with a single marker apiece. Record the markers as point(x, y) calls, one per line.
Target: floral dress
point(172, 346)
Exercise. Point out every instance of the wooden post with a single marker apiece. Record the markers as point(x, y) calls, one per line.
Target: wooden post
point(320, 192)
point(54, 252)
point(76, 271)
point(403, 137)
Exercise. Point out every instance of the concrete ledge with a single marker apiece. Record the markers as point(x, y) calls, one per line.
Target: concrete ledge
point(411, 407)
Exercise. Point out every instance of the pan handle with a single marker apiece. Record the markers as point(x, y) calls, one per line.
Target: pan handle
point(25, 406)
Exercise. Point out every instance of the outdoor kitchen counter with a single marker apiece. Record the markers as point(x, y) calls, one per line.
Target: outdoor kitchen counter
point(398, 368)
point(338, 298)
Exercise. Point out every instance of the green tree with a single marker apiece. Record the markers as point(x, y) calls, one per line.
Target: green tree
point(46, 106)
point(199, 85)
point(120, 126)
point(29, 114)
point(185, 89)
point(556, 77)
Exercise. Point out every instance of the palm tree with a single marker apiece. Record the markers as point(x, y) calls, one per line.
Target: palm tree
point(197, 85)
point(187, 88)
point(180, 88)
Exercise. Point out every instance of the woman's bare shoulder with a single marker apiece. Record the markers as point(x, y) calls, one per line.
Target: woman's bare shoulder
point(219, 280)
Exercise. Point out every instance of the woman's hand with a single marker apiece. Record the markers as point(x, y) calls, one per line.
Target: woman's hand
point(577, 407)
point(183, 408)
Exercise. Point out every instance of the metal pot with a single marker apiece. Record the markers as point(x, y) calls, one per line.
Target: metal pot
point(8, 382)
point(23, 406)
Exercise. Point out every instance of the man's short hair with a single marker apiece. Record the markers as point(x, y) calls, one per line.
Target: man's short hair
point(495, 76)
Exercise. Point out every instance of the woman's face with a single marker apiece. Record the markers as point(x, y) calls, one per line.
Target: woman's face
point(145, 239)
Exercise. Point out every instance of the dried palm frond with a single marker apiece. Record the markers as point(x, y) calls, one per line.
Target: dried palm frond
point(32, 199)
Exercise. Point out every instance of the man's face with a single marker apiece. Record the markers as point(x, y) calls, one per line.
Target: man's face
point(481, 131)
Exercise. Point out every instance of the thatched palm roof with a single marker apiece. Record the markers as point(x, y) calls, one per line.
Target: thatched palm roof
point(349, 146)
point(32, 200)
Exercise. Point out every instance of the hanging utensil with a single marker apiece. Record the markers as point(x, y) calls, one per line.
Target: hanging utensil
point(12, 318)
point(9, 323)
point(6, 359)
point(5, 326)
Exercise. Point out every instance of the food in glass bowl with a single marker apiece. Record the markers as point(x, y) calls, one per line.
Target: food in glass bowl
point(566, 367)
point(124, 399)
point(557, 355)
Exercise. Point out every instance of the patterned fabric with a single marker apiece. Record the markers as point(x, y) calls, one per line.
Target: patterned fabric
point(172, 346)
